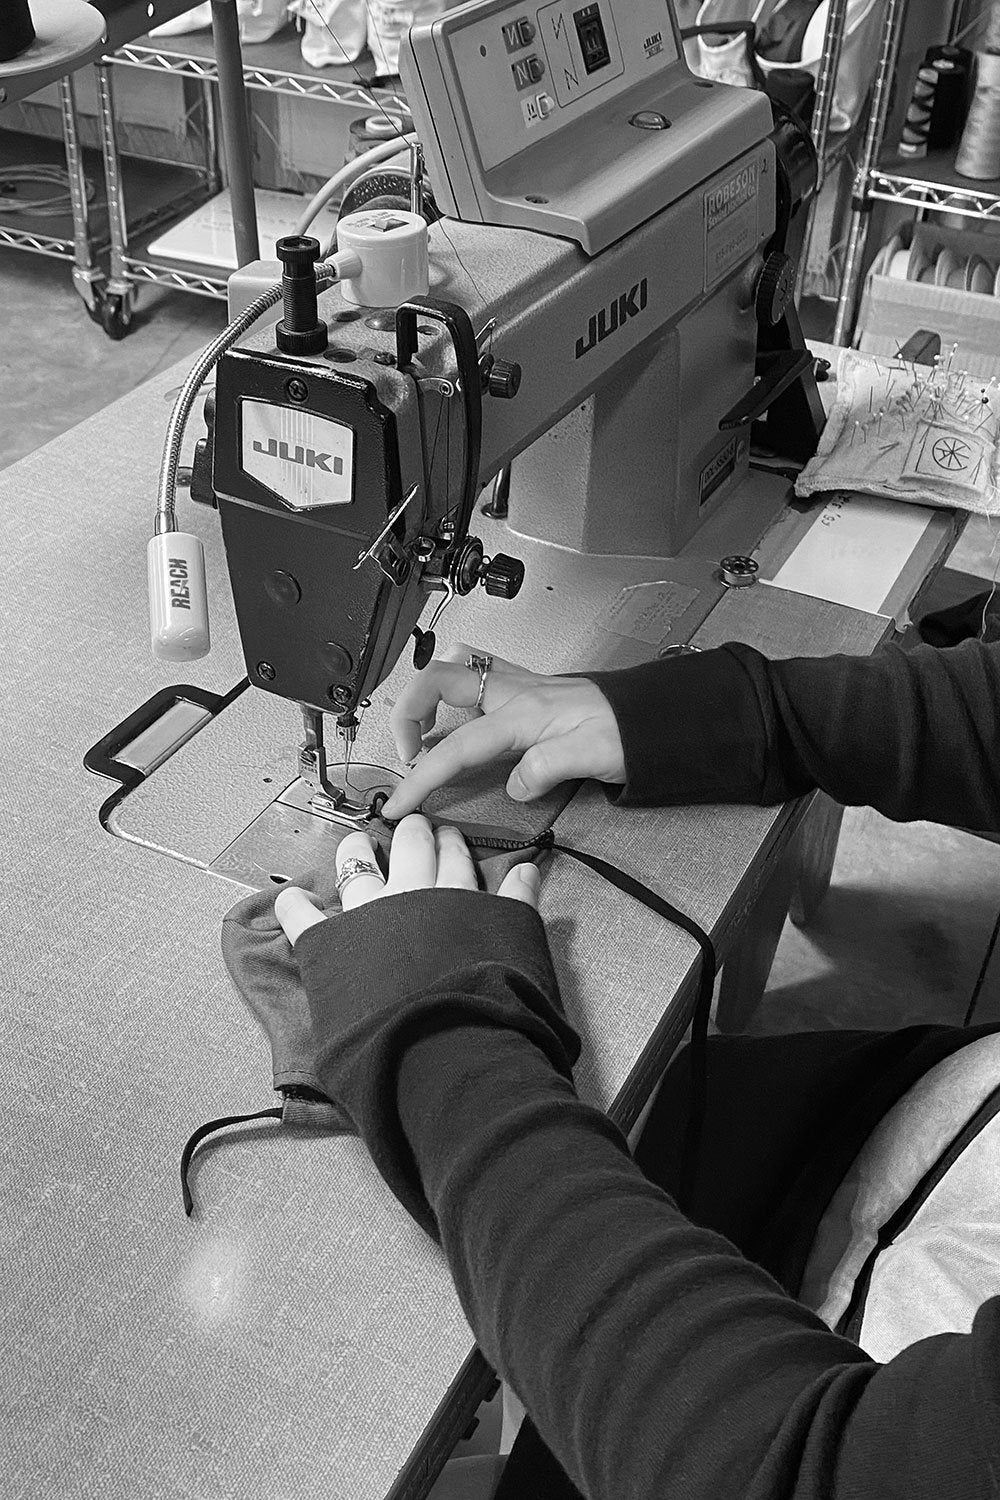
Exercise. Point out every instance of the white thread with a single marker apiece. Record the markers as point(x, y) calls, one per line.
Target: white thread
point(979, 149)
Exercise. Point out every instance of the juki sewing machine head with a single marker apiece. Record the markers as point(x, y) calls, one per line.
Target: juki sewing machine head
point(609, 304)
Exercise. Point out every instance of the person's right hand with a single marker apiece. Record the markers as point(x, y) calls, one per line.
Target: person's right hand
point(563, 726)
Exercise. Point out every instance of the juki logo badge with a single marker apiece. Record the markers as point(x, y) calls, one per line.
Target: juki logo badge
point(299, 455)
point(603, 324)
point(304, 459)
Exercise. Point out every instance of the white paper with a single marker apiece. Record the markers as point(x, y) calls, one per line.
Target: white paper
point(854, 551)
point(206, 236)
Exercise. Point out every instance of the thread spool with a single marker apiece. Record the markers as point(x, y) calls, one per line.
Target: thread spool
point(899, 266)
point(917, 125)
point(979, 150)
point(372, 130)
point(18, 33)
point(939, 103)
point(953, 66)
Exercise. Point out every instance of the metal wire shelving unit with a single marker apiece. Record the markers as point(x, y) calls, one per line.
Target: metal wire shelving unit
point(932, 184)
point(103, 236)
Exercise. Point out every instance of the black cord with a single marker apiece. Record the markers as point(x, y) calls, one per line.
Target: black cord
point(706, 984)
point(199, 1135)
point(977, 988)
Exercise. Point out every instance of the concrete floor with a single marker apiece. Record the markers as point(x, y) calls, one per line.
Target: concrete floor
point(907, 926)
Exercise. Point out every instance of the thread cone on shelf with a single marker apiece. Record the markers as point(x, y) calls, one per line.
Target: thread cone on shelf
point(979, 149)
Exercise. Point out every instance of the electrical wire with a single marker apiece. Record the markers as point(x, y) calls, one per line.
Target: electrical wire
point(54, 206)
point(354, 168)
point(344, 176)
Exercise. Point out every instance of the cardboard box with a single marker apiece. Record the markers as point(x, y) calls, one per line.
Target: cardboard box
point(893, 309)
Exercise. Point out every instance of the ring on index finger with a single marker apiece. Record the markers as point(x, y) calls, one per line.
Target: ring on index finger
point(480, 664)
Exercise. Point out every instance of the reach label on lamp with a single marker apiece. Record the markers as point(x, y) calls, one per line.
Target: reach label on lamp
point(730, 222)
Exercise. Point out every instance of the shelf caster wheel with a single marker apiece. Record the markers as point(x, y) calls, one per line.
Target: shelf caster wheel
point(115, 315)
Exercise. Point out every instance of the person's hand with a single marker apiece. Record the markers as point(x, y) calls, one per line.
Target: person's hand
point(421, 858)
point(563, 728)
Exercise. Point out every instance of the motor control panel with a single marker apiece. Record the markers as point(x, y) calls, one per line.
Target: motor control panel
point(578, 118)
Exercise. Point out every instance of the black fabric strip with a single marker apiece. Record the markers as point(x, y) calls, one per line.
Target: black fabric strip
point(702, 1006)
point(706, 982)
point(207, 1129)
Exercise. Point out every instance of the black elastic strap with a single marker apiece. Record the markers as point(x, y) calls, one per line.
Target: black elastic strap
point(207, 1129)
point(699, 1016)
point(706, 982)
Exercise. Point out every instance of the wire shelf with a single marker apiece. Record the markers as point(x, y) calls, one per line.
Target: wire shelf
point(41, 244)
point(298, 83)
point(975, 202)
point(201, 283)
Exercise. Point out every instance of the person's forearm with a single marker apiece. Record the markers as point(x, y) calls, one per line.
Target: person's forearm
point(654, 1360)
point(913, 734)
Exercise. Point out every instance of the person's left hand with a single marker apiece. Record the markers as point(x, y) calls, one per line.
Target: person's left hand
point(421, 858)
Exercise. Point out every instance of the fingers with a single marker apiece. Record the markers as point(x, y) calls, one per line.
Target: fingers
point(413, 856)
point(412, 715)
point(591, 749)
point(449, 681)
point(296, 911)
point(359, 888)
point(522, 884)
point(472, 744)
point(455, 869)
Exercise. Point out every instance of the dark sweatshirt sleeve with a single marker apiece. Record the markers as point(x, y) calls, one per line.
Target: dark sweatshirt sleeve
point(914, 734)
point(654, 1360)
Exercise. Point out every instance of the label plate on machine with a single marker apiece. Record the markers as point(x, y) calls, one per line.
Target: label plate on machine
point(731, 229)
point(304, 459)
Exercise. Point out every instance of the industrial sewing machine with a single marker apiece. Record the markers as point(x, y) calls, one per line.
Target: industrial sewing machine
point(608, 321)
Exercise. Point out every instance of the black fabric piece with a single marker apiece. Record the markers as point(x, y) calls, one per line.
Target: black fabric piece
point(18, 31)
point(781, 36)
point(767, 1188)
point(973, 619)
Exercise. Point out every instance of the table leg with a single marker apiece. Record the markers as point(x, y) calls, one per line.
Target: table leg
point(235, 129)
point(748, 963)
point(795, 889)
point(817, 840)
point(116, 309)
point(87, 275)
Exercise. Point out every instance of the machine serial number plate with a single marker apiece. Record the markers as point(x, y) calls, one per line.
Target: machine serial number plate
point(730, 222)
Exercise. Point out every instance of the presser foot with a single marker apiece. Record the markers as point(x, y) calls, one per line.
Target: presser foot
point(349, 791)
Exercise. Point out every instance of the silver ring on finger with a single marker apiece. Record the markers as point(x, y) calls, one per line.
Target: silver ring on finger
point(480, 664)
point(352, 868)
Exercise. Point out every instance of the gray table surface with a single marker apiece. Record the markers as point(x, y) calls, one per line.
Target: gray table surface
point(298, 1336)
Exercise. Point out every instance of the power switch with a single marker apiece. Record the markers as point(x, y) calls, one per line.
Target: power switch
point(518, 34)
point(527, 71)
